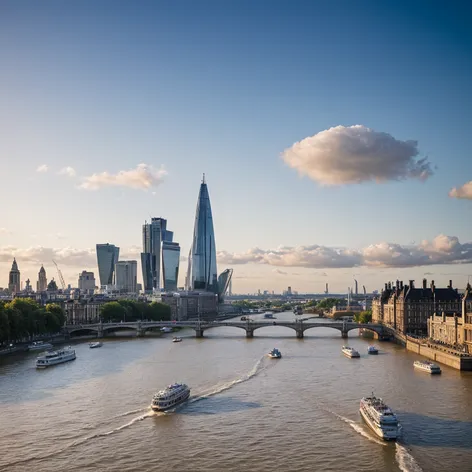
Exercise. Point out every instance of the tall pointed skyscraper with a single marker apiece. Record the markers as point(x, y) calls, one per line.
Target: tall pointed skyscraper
point(14, 278)
point(202, 273)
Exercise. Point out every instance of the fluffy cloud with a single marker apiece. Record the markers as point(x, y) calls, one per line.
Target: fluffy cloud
point(69, 171)
point(42, 168)
point(143, 177)
point(464, 192)
point(355, 154)
point(39, 254)
point(441, 250)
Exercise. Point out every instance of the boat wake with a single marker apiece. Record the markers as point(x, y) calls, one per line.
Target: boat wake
point(406, 462)
point(258, 367)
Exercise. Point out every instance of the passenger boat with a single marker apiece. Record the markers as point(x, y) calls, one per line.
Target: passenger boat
point(372, 350)
point(166, 329)
point(176, 340)
point(170, 397)
point(350, 352)
point(427, 366)
point(55, 357)
point(379, 417)
point(39, 346)
point(275, 354)
point(95, 344)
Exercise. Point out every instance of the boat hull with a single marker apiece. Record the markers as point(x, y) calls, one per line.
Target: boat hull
point(274, 357)
point(171, 407)
point(428, 370)
point(352, 355)
point(386, 436)
point(43, 347)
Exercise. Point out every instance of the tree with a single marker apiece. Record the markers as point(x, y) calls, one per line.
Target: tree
point(159, 312)
point(4, 325)
point(363, 316)
point(113, 311)
point(56, 310)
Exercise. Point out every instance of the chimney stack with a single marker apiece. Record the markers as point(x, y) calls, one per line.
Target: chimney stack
point(401, 284)
point(397, 284)
point(412, 284)
point(432, 285)
point(450, 284)
point(425, 284)
point(386, 286)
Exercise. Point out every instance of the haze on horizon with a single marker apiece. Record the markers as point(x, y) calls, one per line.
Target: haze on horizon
point(334, 137)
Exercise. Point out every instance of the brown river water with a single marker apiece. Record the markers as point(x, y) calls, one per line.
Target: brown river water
point(246, 411)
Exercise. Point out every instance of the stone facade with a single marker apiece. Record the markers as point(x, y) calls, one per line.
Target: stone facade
point(407, 309)
point(186, 305)
point(467, 317)
point(446, 329)
point(82, 311)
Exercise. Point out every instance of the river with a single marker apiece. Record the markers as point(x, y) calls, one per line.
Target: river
point(246, 412)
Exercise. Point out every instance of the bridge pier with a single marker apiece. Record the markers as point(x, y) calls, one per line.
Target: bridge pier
point(199, 332)
point(299, 333)
point(249, 333)
point(344, 334)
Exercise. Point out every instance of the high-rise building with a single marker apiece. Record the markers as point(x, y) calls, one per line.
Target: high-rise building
point(170, 265)
point(126, 273)
point(42, 283)
point(202, 273)
point(14, 284)
point(107, 257)
point(153, 235)
point(86, 281)
point(224, 281)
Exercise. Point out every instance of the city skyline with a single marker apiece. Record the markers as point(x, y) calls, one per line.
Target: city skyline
point(336, 142)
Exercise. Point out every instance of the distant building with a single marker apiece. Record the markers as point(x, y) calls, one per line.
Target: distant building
point(82, 311)
point(170, 265)
point(126, 276)
point(407, 309)
point(28, 287)
point(42, 283)
point(186, 305)
point(446, 329)
point(107, 257)
point(14, 284)
point(86, 281)
point(52, 286)
point(467, 317)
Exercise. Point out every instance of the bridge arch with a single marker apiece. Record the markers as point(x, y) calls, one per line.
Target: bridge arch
point(338, 328)
point(276, 325)
point(82, 331)
point(222, 325)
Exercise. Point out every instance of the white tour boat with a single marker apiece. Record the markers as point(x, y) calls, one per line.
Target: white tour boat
point(166, 329)
point(95, 344)
point(176, 339)
point(427, 366)
point(372, 350)
point(350, 352)
point(379, 417)
point(170, 397)
point(40, 346)
point(55, 357)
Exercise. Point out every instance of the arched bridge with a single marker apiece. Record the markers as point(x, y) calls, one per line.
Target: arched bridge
point(200, 327)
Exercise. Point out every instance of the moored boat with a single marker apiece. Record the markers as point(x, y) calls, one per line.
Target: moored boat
point(350, 352)
point(372, 350)
point(427, 366)
point(176, 339)
point(95, 344)
point(170, 397)
point(55, 357)
point(275, 354)
point(39, 346)
point(269, 315)
point(379, 417)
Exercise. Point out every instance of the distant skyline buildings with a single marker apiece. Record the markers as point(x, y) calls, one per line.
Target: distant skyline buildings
point(14, 282)
point(107, 256)
point(42, 283)
point(86, 281)
point(126, 275)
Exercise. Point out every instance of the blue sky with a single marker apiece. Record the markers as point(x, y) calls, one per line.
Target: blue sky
point(225, 88)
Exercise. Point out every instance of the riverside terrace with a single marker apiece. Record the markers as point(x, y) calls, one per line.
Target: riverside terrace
point(299, 326)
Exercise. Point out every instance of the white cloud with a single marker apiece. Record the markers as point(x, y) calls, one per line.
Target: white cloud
point(464, 192)
point(69, 171)
point(142, 177)
point(42, 168)
point(38, 254)
point(441, 250)
point(279, 272)
point(355, 154)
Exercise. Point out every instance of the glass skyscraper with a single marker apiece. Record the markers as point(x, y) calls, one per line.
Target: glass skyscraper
point(126, 276)
point(107, 257)
point(159, 251)
point(202, 272)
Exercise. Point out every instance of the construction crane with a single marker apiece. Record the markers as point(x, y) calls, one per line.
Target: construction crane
point(61, 278)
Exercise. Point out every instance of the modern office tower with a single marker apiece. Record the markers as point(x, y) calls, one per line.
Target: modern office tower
point(14, 285)
point(356, 287)
point(126, 274)
point(224, 281)
point(170, 265)
point(153, 235)
point(230, 287)
point(107, 257)
point(202, 273)
point(86, 281)
point(42, 283)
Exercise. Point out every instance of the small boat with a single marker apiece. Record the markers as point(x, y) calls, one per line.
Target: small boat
point(427, 366)
point(372, 350)
point(55, 357)
point(350, 352)
point(176, 339)
point(40, 346)
point(170, 397)
point(243, 318)
point(275, 354)
point(95, 344)
point(166, 329)
point(380, 417)
point(269, 315)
